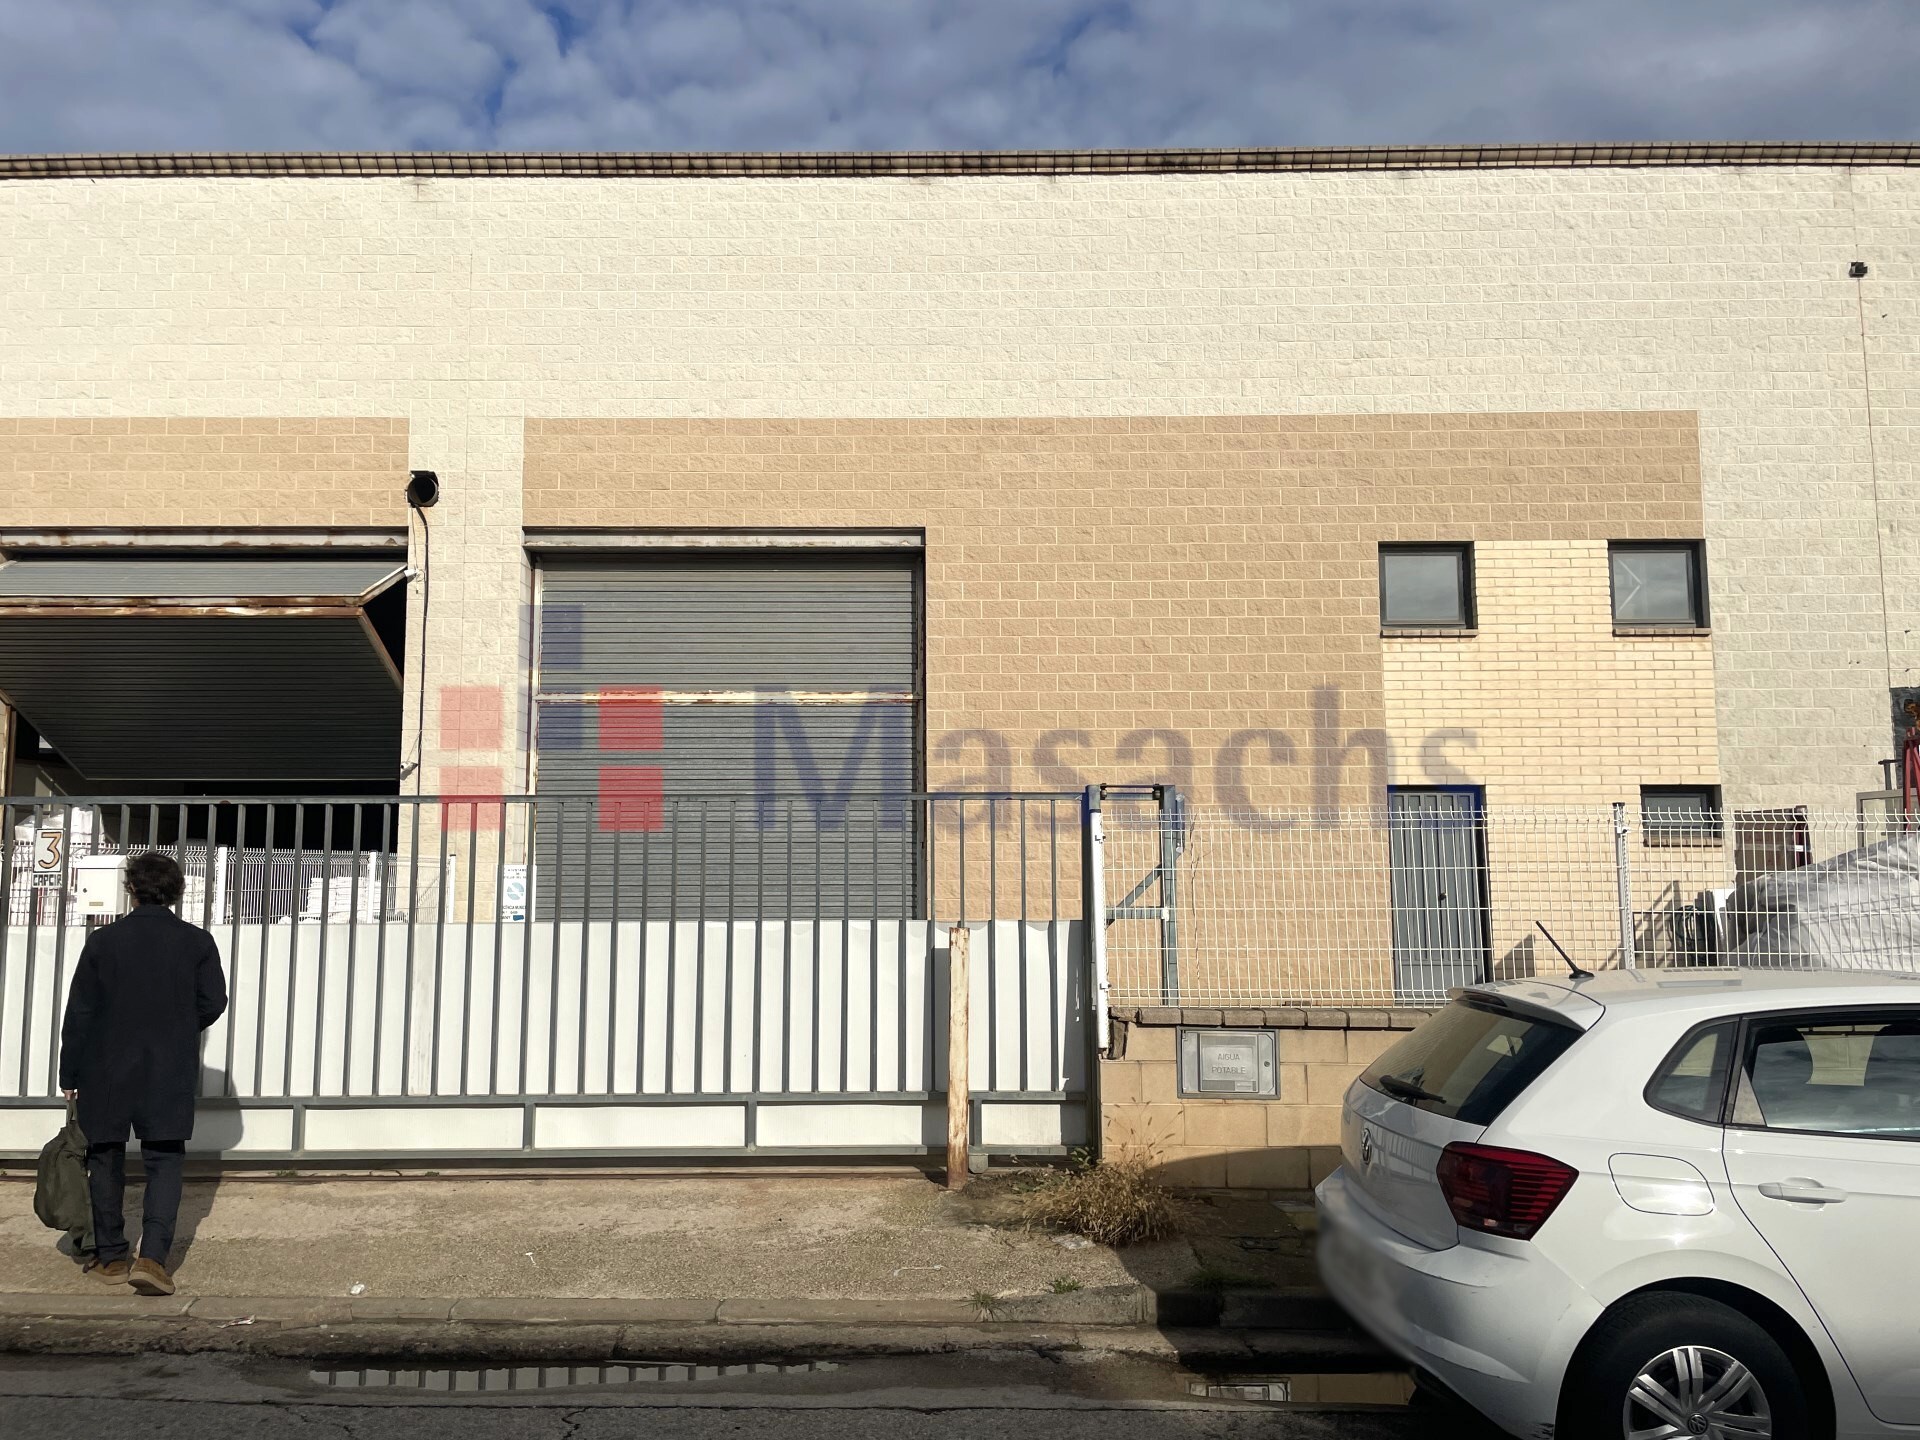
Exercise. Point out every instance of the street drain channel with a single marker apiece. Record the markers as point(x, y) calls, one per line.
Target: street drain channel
point(522, 1379)
point(1391, 1390)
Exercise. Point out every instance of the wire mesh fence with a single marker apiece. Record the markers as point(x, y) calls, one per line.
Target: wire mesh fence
point(1398, 904)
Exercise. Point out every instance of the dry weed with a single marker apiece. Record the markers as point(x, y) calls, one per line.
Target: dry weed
point(1116, 1202)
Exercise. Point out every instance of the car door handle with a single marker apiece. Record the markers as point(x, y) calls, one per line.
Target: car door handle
point(1802, 1192)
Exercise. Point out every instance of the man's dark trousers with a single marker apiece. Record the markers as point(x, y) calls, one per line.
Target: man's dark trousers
point(107, 1180)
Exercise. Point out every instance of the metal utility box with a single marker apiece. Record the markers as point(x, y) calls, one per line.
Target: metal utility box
point(98, 886)
point(1229, 1063)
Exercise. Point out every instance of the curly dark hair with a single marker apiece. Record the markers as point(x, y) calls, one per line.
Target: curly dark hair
point(155, 879)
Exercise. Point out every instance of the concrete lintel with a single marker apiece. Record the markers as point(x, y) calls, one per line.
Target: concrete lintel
point(28, 540)
point(555, 538)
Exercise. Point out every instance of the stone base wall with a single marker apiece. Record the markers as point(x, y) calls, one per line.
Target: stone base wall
point(1286, 1143)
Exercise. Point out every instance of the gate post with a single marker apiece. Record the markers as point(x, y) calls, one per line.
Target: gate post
point(1172, 825)
point(959, 1056)
point(1093, 921)
point(1623, 884)
point(1093, 891)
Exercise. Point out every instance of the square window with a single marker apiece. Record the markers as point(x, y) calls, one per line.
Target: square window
point(1680, 814)
point(1426, 587)
point(1658, 584)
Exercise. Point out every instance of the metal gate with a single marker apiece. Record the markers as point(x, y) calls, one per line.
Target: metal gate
point(400, 990)
point(1436, 861)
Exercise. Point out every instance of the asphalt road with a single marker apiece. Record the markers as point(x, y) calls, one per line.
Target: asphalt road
point(973, 1396)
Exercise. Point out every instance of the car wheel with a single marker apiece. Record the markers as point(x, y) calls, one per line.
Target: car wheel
point(1670, 1367)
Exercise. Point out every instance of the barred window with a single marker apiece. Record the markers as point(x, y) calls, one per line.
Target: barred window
point(1680, 814)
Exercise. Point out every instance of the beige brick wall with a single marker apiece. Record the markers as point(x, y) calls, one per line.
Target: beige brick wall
point(464, 306)
point(1282, 1144)
point(1138, 597)
point(1194, 576)
point(202, 471)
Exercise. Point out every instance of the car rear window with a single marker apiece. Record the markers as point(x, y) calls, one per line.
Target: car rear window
point(1470, 1061)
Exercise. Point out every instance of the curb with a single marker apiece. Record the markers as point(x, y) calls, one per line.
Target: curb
point(1114, 1305)
point(1280, 1309)
point(1226, 1335)
point(1307, 1310)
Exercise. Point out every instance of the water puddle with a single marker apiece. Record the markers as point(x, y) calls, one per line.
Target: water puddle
point(524, 1379)
point(1387, 1389)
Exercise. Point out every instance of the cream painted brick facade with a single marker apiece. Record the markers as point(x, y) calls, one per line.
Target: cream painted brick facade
point(1545, 705)
point(462, 307)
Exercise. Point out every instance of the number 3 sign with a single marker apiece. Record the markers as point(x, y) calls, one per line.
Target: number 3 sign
point(49, 855)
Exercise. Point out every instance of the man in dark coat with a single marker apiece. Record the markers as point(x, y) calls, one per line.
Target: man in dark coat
point(145, 988)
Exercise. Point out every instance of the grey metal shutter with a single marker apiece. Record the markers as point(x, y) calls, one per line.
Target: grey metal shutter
point(769, 702)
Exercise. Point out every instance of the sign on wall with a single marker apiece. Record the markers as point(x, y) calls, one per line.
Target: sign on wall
point(49, 855)
point(513, 893)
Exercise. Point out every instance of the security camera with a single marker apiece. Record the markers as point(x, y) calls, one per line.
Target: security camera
point(423, 489)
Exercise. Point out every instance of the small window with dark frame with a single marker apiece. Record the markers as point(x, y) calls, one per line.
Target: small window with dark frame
point(1426, 587)
point(1680, 814)
point(1658, 584)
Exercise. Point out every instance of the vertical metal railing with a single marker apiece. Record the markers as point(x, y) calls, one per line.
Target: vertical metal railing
point(693, 946)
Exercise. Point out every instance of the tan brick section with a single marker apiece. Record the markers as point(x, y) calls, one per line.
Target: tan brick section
point(1124, 578)
point(1284, 1144)
point(202, 472)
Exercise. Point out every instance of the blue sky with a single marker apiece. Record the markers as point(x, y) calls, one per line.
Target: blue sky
point(947, 74)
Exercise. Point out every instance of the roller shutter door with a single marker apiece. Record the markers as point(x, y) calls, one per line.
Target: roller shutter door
point(727, 736)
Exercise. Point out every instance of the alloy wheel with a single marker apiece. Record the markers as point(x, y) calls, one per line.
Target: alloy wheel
point(1695, 1391)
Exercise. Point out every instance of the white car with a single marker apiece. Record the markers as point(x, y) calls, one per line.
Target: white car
point(1646, 1204)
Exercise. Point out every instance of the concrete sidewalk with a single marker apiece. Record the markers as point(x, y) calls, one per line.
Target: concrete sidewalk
point(572, 1265)
point(759, 1236)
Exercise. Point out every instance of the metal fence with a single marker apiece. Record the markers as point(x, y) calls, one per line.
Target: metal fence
point(748, 959)
point(1394, 906)
point(729, 973)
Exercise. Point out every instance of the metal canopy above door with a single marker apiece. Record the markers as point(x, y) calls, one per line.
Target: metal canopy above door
point(223, 670)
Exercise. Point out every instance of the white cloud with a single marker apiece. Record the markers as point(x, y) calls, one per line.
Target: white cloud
point(909, 74)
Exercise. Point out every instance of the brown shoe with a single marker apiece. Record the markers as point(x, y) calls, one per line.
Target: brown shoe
point(150, 1277)
point(113, 1272)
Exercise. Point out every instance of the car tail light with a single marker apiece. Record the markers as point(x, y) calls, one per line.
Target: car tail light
point(1493, 1191)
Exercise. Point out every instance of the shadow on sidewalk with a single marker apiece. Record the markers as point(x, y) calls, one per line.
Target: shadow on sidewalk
point(196, 1201)
point(1252, 1284)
